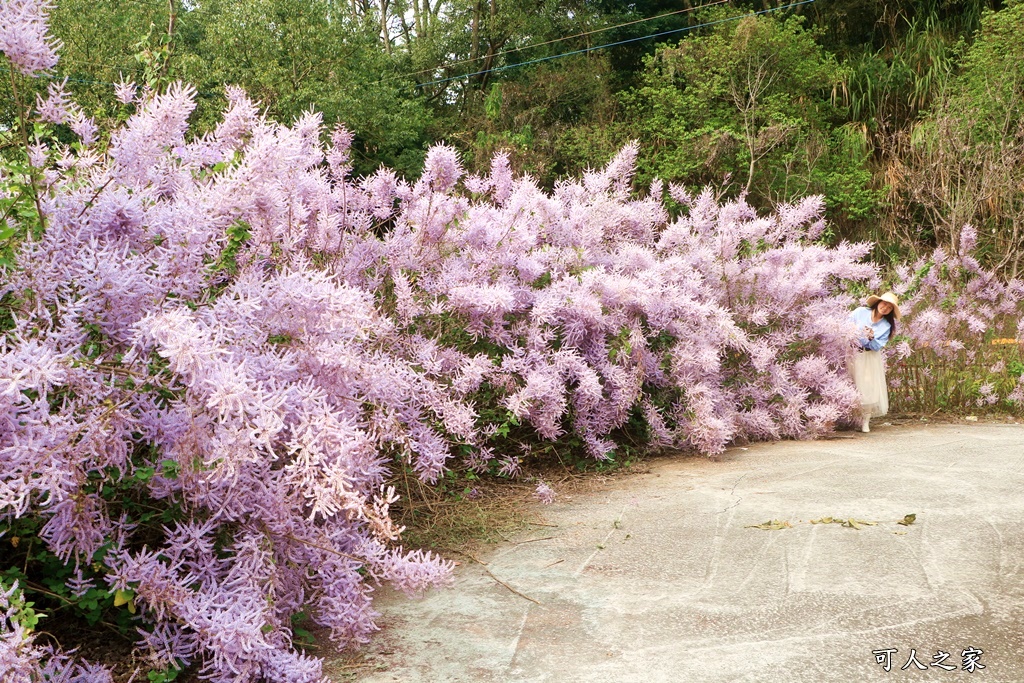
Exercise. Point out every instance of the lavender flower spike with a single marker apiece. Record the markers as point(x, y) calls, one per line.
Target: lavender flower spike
point(24, 35)
point(544, 493)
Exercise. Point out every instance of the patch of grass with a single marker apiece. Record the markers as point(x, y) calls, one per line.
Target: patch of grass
point(466, 514)
point(442, 523)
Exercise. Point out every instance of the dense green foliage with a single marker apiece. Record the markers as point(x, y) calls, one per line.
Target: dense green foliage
point(906, 115)
point(751, 102)
point(965, 159)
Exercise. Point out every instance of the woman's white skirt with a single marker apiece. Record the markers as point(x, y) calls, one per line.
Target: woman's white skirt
point(869, 376)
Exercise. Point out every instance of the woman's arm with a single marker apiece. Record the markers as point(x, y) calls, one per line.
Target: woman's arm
point(858, 317)
point(877, 342)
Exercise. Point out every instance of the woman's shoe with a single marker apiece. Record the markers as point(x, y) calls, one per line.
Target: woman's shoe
point(865, 427)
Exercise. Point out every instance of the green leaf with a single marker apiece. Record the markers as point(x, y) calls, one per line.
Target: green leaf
point(144, 473)
point(123, 597)
point(169, 468)
point(908, 519)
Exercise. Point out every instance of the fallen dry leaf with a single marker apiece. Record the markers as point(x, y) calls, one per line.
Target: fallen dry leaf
point(770, 525)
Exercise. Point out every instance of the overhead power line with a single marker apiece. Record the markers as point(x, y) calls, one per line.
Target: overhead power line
point(73, 79)
point(564, 38)
point(601, 47)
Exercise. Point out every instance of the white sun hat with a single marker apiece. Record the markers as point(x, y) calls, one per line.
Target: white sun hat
point(889, 297)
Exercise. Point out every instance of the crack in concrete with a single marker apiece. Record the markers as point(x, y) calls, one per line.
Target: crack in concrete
point(733, 493)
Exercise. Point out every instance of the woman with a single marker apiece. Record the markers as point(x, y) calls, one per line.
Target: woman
point(877, 325)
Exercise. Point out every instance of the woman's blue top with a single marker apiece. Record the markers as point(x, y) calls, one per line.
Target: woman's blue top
point(862, 318)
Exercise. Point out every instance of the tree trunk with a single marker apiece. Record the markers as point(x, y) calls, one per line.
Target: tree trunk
point(475, 50)
point(385, 6)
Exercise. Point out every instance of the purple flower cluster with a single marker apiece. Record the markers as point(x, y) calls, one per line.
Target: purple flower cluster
point(954, 308)
point(544, 493)
point(57, 107)
point(720, 324)
point(24, 35)
point(24, 661)
point(275, 388)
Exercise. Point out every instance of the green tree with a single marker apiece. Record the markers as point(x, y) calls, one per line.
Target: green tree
point(520, 93)
point(107, 40)
point(750, 102)
point(295, 54)
point(539, 117)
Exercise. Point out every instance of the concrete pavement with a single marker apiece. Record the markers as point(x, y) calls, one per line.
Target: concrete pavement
point(661, 578)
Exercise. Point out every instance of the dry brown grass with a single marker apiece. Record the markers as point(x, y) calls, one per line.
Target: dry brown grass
point(447, 520)
point(933, 384)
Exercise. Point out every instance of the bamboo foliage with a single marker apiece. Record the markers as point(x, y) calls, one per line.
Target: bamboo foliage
point(890, 86)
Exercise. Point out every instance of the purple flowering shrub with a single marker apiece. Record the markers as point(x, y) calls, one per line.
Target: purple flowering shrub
point(712, 326)
point(959, 345)
point(25, 37)
point(171, 348)
point(220, 348)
